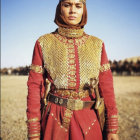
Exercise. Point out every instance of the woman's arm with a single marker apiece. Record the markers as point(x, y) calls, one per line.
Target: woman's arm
point(107, 92)
point(35, 90)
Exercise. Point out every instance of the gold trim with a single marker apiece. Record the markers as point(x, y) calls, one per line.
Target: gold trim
point(33, 120)
point(34, 135)
point(67, 32)
point(66, 120)
point(73, 94)
point(113, 116)
point(37, 68)
point(111, 130)
point(105, 67)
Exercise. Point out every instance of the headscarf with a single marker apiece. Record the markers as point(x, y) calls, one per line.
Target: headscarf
point(60, 20)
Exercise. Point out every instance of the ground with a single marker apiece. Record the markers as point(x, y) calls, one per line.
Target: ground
point(13, 107)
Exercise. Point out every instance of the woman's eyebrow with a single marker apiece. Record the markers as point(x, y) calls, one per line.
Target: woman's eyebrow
point(71, 3)
point(78, 3)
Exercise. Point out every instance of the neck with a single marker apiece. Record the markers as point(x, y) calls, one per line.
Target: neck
point(71, 33)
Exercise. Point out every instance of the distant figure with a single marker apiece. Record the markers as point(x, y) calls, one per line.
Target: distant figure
point(61, 100)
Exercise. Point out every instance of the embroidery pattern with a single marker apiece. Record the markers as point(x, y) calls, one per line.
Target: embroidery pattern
point(90, 127)
point(37, 68)
point(61, 126)
point(71, 67)
point(89, 59)
point(33, 120)
point(59, 65)
point(78, 41)
point(66, 120)
point(112, 123)
point(70, 32)
point(105, 67)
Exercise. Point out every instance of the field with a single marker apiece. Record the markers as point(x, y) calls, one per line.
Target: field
point(13, 107)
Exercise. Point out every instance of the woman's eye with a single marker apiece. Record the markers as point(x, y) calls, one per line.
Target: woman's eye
point(66, 5)
point(79, 6)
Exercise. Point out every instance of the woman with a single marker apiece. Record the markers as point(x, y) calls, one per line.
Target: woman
point(63, 63)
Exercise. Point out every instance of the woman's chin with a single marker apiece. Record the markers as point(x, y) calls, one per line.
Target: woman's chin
point(72, 23)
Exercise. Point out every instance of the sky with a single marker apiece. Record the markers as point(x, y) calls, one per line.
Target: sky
point(116, 22)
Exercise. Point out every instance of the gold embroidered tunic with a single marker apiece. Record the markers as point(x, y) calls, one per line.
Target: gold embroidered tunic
point(71, 62)
point(70, 58)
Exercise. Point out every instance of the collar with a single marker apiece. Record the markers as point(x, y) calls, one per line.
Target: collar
point(71, 33)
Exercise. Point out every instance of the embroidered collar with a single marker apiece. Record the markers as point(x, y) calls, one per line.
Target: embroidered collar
point(71, 33)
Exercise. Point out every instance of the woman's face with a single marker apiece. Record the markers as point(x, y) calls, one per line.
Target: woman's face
point(72, 10)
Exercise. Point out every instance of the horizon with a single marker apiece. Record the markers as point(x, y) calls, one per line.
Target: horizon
point(22, 22)
point(137, 57)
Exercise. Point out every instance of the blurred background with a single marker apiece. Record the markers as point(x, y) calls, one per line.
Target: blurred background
point(116, 22)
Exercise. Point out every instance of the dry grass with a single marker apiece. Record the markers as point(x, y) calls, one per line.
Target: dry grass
point(13, 107)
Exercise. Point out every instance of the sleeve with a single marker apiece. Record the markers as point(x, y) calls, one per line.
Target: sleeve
point(107, 92)
point(35, 89)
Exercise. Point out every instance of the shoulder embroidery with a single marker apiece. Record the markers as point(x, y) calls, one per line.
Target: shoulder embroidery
point(37, 69)
point(43, 40)
point(105, 67)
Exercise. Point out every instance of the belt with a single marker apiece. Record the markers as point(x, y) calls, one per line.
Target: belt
point(72, 104)
point(72, 94)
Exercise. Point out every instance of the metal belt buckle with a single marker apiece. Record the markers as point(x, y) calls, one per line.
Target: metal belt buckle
point(73, 104)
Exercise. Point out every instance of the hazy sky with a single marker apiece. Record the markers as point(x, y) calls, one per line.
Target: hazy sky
point(116, 22)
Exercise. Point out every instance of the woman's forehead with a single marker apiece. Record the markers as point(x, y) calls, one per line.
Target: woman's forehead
point(74, 1)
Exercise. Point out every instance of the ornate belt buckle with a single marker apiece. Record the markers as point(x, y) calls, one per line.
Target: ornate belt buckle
point(75, 104)
point(79, 104)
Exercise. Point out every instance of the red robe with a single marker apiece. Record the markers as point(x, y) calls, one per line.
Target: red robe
point(84, 124)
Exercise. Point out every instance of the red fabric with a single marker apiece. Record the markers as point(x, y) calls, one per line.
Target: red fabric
point(35, 90)
point(81, 120)
point(77, 68)
point(107, 91)
point(79, 125)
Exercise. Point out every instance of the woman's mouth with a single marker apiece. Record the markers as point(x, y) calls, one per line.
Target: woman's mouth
point(71, 17)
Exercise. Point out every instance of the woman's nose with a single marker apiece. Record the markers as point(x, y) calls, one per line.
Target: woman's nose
point(73, 9)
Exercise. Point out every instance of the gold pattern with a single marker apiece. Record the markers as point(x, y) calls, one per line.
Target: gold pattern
point(56, 49)
point(77, 41)
point(73, 94)
point(34, 135)
point(111, 130)
point(33, 120)
point(61, 126)
point(37, 68)
point(67, 32)
point(105, 67)
point(71, 67)
point(113, 116)
point(73, 104)
point(89, 128)
point(66, 119)
point(89, 59)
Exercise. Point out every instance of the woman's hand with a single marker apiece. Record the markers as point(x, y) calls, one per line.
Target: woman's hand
point(111, 136)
